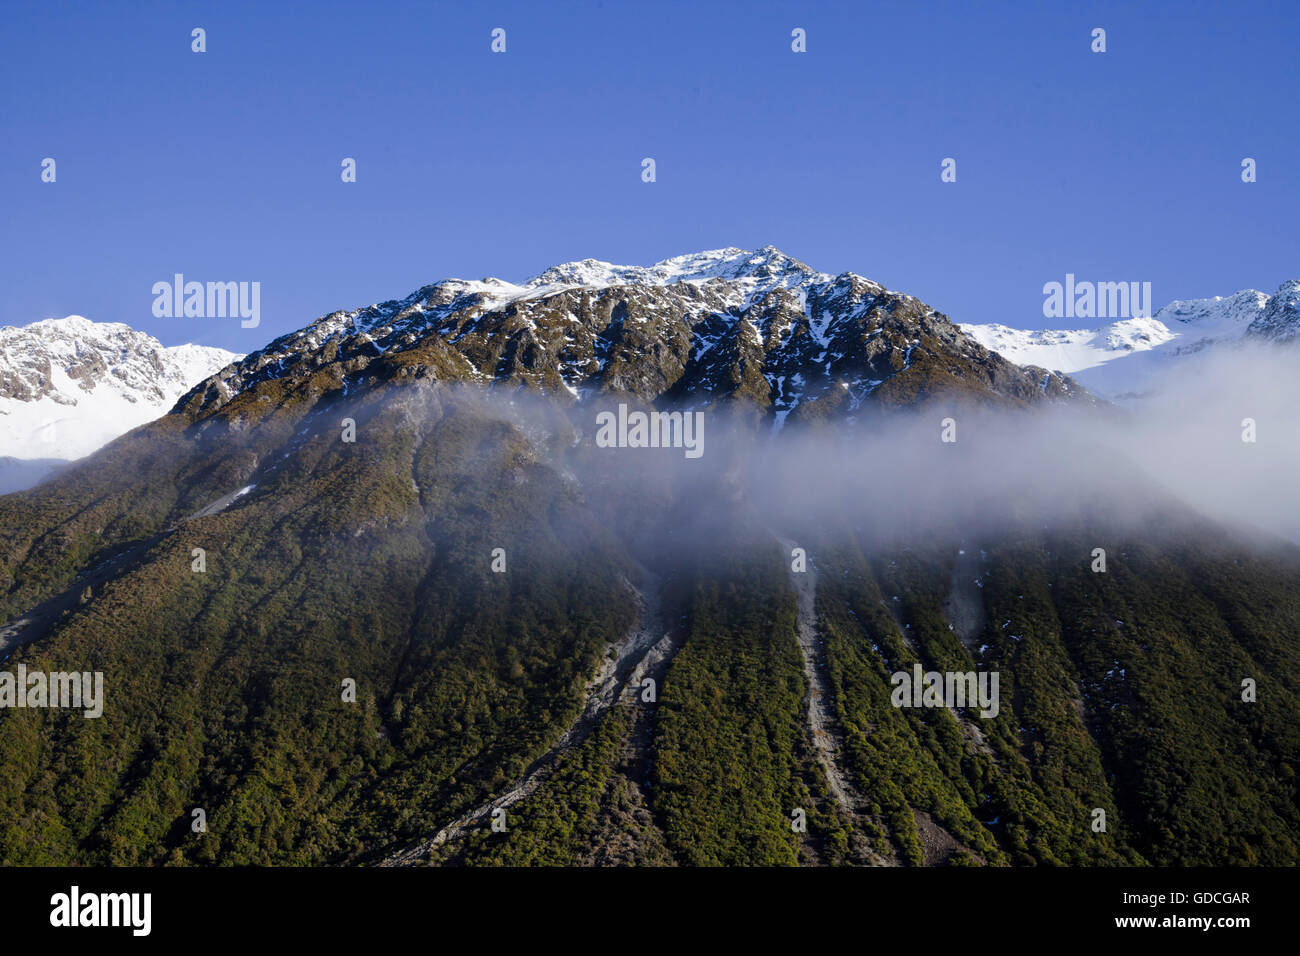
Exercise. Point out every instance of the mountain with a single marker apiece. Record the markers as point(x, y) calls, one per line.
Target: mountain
point(1120, 360)
point(373, 595)
point(68, 386)
point(1280, 321)
point(696, 330)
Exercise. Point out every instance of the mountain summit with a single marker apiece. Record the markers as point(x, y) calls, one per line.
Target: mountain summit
point(725, 325)
point(767, 268)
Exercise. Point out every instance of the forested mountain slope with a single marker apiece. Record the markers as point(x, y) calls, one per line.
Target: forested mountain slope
point(375, 511)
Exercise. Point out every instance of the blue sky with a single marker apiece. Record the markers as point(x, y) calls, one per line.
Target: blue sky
point(225, 165)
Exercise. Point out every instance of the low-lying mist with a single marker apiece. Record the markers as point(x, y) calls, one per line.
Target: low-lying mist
point(1216, 437)
point(1214, 447)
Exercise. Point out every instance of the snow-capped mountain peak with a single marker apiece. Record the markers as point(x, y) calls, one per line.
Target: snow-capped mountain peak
point(68, 386)
point(768, 267)
point(753, 273)
point(1146, 345)
point(735, 277)
point(1071, 350)
point(1280, 319)
point(1231, 313)
point(754, 327)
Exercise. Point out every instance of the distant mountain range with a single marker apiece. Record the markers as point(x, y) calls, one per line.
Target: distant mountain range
point(796, 344)
point(69, 386)
point(1120, 361)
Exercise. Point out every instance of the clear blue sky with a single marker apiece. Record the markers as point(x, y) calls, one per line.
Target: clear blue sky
point(225, 165)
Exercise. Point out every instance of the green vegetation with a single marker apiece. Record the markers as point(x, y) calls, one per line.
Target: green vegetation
point(731, 765)
point(372, 561)
point(224, 688)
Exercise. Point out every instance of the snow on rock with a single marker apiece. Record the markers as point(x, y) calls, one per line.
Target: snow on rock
point(69, 386)
point(1118, 360)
